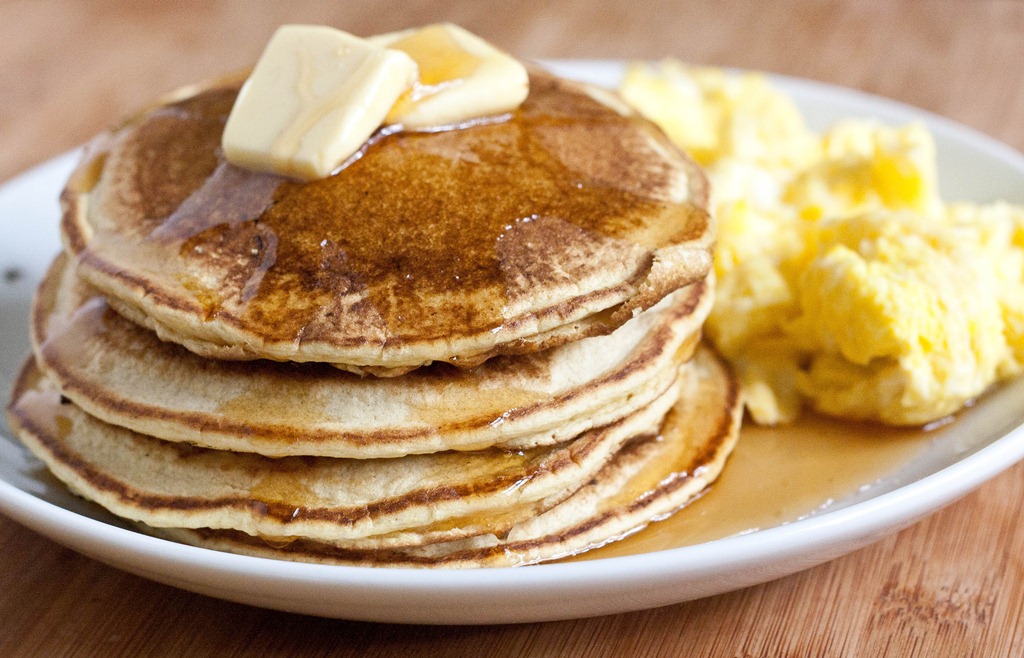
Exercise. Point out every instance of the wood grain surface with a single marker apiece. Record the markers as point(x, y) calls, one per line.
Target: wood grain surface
point(953, 585)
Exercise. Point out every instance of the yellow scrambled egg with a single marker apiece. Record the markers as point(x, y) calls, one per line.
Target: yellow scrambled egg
point(844, 282)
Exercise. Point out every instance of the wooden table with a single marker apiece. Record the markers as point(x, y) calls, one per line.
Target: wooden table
point(952, 585)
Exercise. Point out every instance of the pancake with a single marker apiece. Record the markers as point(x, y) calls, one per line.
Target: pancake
point(507, 237)
point(649, 479)
point(163, 483)
point(526, 291)
point(126, 376)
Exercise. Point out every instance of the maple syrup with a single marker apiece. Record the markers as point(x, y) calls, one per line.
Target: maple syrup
point(778, 475)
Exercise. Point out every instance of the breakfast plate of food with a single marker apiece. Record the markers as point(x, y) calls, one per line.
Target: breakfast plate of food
point(719, 327)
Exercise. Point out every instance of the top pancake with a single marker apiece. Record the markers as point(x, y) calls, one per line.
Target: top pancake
point(562, 221)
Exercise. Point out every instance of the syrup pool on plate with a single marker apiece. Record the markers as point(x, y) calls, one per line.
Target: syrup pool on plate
point(778, 475)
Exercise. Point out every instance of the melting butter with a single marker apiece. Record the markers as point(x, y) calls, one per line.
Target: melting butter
point(314, 98)
point(317, 94)
point(461, 77)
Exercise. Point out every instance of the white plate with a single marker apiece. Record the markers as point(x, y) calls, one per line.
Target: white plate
point(985, 442)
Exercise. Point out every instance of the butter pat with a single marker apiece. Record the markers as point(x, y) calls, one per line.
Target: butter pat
point(314, 98)
point(461, 77)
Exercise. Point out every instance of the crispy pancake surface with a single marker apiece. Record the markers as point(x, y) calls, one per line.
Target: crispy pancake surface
point(559, 222)
point(125, 375)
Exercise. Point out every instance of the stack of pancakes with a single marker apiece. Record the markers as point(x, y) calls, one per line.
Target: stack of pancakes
point(471, 347)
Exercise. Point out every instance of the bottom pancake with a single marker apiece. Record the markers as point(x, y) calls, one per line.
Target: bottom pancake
point(490, 508)
point(648, 479)
point(171, 484)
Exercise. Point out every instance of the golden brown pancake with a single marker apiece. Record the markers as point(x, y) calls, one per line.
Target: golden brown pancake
point(169, 484)
point(125, 375)
point(562, 221)
point(646, 481)
point(529, 289)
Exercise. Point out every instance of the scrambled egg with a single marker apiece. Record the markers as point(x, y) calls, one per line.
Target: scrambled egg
point(844, 282)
